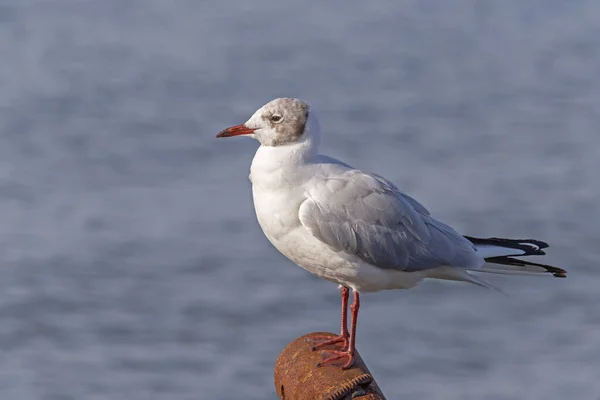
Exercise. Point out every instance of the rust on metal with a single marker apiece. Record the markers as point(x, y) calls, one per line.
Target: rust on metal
point(297, 376)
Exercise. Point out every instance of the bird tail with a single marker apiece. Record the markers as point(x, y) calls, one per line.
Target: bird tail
point(462, 275)
point(499, 256)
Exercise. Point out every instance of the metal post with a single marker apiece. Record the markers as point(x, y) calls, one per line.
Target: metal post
point(298, 378)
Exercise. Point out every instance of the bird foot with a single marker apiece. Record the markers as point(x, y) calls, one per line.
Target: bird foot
point(320, 341)
point(338, 358)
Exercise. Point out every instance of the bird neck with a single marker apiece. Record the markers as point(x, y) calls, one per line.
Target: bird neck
point(270, 160)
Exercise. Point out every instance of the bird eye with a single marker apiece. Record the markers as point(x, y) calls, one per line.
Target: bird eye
point(276, 118)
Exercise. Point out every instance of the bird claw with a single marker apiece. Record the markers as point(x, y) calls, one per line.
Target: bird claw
point(320, 341)
point(339, 358)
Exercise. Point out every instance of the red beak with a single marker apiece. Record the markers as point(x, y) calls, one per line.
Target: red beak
point(235, 131)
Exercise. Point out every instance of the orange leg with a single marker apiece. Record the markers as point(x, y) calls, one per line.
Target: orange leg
point(341, 340)
point(344, 358)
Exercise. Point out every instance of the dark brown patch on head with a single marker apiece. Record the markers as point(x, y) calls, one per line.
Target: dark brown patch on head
point(288, 119)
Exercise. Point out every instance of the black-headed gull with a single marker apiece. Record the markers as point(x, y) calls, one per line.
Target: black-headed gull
point(356, 228)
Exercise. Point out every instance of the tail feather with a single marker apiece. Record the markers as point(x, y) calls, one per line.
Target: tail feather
point(499, 256)
point(462, 275)
point(482, 282)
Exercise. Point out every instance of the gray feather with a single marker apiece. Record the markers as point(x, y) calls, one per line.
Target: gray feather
point(367, 216)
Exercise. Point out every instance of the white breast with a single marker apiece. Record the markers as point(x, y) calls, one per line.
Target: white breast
point(276, 211)
point(278, 189)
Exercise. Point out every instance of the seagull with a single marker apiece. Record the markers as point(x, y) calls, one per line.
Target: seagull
point(355, 228)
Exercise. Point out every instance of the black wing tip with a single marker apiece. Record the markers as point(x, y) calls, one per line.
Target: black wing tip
point(560, 273)
point(555, 271)
point(504, 241)
point(521, 244)
point(540, 244)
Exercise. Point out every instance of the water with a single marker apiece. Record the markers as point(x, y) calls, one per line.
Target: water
point(132, 263)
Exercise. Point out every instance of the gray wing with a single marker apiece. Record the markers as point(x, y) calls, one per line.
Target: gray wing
point(367, 216)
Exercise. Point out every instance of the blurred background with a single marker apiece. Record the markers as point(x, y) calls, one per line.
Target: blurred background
point(132, 263)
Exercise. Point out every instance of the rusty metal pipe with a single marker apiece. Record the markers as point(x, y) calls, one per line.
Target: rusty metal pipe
point(298, 378)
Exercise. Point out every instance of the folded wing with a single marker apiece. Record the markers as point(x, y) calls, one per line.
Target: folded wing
point(367, 216)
